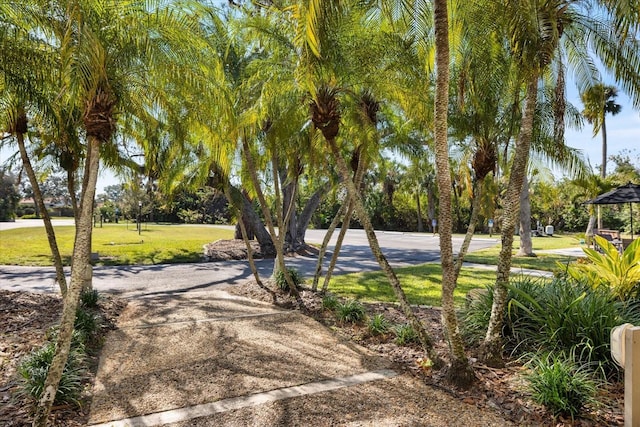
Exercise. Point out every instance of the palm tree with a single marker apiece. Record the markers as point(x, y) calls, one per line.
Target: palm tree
point(119, 45)
point(24, 88)
point(599, 100)
point(535, 33)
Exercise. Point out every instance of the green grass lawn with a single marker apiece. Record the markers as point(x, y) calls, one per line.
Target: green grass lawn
point(421, 283)
point(117, 244)
point(546, 262)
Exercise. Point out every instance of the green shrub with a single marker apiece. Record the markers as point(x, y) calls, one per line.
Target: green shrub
point(610, 269)
point(89, 298)
point(405, 335)
point(560, 385)
point(329, 302)
point(86, 324)
point(555, 316)
point(281, 281)
point(350, 311)
point(34, 368)
point(30, 216)
point(379, 325)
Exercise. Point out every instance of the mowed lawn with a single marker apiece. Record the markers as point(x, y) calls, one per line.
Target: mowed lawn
point(117, 244)
point(422, 284)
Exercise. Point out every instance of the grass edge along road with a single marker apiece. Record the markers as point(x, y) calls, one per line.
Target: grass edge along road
point(117, 244)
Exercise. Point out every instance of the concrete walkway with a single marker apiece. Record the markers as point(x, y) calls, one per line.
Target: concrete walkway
point(219, 360)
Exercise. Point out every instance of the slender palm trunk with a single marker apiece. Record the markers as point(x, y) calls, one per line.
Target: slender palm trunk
point(325, 242)
point(346, 222)
point(39, 201)
point(419, 209)
point(491, 351)
point(80, 271)
point(526, 244)
point(475, 212)
point(354, 195)
point(460, 371)
point(267, 217)
point(603, 172)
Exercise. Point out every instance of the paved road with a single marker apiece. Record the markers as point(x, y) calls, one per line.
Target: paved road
point(401, 249)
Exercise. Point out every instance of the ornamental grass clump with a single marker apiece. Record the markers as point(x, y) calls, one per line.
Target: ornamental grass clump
point(34, 368)
point(350, 311)
point(281, 280)
point(406, 335)
point(378, 325)
point(560, 384)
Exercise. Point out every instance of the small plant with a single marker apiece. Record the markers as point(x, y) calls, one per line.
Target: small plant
point(281, 281)
point(350, 311)
point(329, 302)
point(379, 325)
point(86, 324)
point(560, 385)
point(33, 373)
point(620, 272)
point(89, 298)
point(405, 335)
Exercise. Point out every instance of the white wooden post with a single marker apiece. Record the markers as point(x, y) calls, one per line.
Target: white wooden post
point(632, 377)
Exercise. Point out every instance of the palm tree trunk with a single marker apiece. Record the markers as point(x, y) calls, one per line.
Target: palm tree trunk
point(325, 242)
point(526, 244)
point(267, 217)
point(460, 372)
point(354, 195)
point(603, 172)
point(80, 271)
point(419, 208)
point(491, 351)
point(39, 201)
point(346, 222)
point(475, 212)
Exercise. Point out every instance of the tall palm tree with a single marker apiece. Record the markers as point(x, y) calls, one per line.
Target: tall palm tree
point(535, 32)
point(115, 46)
point(25, 87)
point(600, 100)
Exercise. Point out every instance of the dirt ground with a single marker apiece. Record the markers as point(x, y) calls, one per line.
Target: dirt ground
point(25, 317)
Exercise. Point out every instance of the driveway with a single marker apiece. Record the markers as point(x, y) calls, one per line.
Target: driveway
point(401, 249)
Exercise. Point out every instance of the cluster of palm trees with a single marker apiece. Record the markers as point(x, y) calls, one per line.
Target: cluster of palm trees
point(264, 95)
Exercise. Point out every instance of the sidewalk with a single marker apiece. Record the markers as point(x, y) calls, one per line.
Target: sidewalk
point(220, 360)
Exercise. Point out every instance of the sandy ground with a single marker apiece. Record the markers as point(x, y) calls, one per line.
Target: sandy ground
point(172, 353)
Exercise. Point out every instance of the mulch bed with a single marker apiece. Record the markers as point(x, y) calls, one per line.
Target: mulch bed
point(25, 318)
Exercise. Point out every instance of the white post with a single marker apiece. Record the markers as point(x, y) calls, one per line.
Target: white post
point(632, 377)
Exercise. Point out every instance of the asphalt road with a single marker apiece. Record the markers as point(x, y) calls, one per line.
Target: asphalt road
point(401, 249)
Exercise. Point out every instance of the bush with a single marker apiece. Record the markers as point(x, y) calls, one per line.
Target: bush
point(30, 216)
point(560, 385)
point(555, 316)
point(89, 298)
point(379, 325)
point(281, 281)
point(350, 311)
point(33, 373)
point(610, 269)
point(86, 324)
point(329, 302)
point(405, 335)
